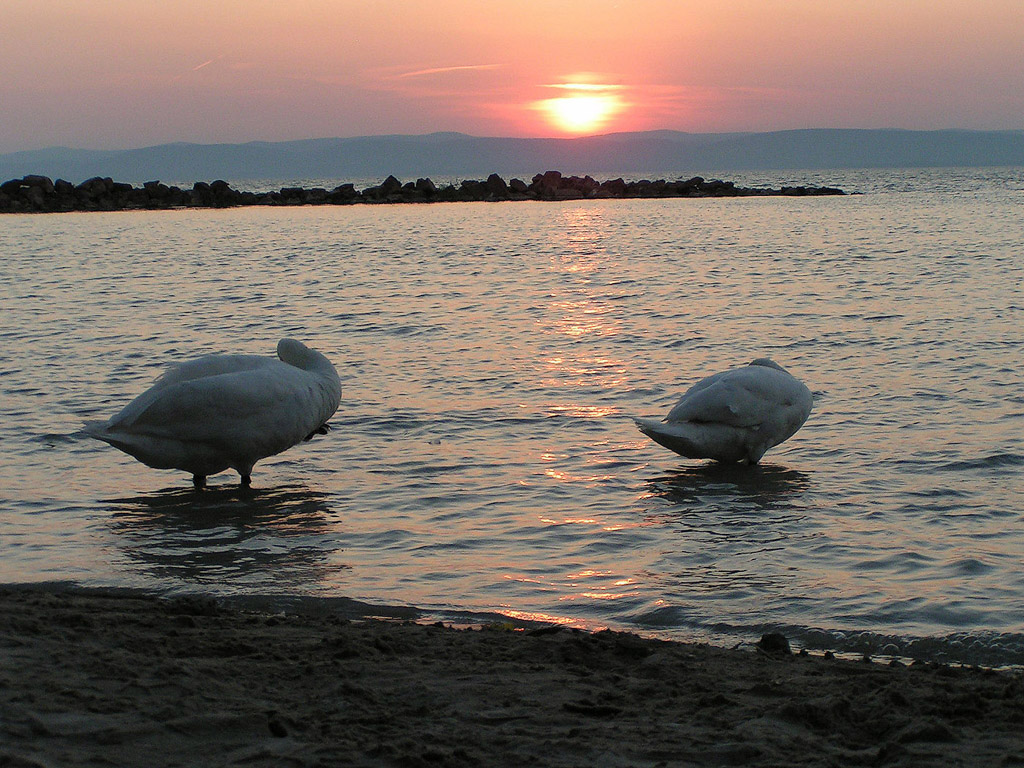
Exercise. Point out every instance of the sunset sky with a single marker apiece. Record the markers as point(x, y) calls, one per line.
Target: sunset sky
point(112, 74)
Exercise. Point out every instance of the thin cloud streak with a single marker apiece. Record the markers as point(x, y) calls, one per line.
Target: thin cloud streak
point(445, 70)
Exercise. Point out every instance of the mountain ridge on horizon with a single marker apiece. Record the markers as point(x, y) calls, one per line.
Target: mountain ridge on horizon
point(454, 154)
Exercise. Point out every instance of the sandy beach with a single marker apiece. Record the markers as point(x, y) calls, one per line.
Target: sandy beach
point(111, 679)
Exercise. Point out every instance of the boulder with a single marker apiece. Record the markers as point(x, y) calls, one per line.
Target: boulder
point(343, 193)
point(93, 187)
point(42, 182)
point(390, 186)
point(615, 187)
point(470, 189)
point(35, 197)
point(496, 187)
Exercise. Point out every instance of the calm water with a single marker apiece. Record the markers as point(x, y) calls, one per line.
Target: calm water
point(484, 460)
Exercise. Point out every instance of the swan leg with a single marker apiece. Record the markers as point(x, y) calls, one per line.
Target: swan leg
point(199, 481)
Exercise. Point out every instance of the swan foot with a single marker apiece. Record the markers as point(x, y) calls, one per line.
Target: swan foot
point(321, 430)
point(199, 482)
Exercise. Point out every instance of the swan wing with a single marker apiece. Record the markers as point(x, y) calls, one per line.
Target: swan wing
point(267, 404)
point(212, 365)
point(193, 370)
point(742, 397)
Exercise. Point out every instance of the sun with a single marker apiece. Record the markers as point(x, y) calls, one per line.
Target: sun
point(580, 113)
point(586, 108)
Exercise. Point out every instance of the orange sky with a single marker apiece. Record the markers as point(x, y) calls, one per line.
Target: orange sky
point(127, 73)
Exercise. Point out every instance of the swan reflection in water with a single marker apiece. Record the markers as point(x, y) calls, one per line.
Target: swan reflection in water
point(729, 535)
point(233, 537)
point(765, 486)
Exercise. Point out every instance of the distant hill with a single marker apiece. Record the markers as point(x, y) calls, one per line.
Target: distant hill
point(446, 155)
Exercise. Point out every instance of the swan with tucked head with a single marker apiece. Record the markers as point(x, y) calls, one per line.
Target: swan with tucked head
point(735, 415)
point(227, 411)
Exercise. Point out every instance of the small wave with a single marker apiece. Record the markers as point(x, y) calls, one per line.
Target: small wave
point(995, 461)
point(970, 566)
point(988, 649)
point(901, 562)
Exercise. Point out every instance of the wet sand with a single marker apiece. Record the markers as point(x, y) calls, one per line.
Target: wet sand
point(107, 679)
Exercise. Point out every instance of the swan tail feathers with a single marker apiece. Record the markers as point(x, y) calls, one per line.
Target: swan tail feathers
point(97, 430)
point(672, 437)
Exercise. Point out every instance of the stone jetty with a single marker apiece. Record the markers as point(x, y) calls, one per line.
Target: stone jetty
point(39, 194)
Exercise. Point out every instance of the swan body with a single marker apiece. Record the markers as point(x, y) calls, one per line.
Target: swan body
point(735, 415)
point(226, 411)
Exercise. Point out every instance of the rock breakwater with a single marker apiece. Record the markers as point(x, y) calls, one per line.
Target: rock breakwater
point(39, 194)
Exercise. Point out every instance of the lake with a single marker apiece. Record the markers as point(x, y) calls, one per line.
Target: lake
point(484, 461)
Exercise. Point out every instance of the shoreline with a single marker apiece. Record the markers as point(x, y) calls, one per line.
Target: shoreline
point(40, 194)
point(90, 677)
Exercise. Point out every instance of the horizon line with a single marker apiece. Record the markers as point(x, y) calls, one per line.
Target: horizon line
point(461, 134)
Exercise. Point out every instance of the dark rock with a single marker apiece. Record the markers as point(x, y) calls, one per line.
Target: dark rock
point(93, 187)
point(41, 182)
point(615, 187)
point(496, 187)
point(545, 185)
point(774, 643)
point(157, 192)
point(585, 187)
point(473, 190)
point(718, 188)
point(35, 197)
point(426, 187)
point(390, 186)
point(343, 193)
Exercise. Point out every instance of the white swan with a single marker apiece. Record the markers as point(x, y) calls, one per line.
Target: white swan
point(735, 415)
point(227, 411)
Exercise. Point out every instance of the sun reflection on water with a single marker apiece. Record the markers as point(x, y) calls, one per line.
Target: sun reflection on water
point(582, 411)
